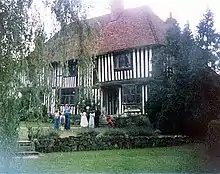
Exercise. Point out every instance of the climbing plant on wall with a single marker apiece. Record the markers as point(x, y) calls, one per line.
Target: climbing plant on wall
point(75, 40)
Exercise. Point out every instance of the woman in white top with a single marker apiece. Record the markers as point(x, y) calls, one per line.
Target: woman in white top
point(91, 120)
point(84, 121)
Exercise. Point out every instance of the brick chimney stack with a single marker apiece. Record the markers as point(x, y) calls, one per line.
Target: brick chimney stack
point(117, 7)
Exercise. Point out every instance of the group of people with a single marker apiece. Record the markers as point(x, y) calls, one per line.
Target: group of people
point(89, 118)
point(62, 118)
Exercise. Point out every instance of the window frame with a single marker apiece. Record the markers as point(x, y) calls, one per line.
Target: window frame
point(133, 91)
point(118, 56)
point(67, 67)
point(67, 95)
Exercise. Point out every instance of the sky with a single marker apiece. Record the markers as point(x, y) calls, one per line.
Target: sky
point(182, 10)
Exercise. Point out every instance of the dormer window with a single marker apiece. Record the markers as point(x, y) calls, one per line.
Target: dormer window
point(123, 60)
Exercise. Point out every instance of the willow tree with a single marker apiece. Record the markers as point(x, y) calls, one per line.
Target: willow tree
point(77, 39)
point(21, 70)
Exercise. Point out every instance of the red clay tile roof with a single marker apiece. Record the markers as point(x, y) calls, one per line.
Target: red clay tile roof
point(134, 28)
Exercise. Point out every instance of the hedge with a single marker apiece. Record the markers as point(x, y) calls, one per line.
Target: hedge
point(93, 141)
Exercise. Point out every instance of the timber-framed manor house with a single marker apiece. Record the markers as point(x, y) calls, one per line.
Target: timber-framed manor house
point(123, 66)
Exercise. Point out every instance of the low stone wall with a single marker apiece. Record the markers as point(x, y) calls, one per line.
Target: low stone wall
point(98, 142)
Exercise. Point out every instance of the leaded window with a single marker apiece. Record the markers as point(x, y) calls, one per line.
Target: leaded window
point(67, 96)
point(131, 94)
point(123, 60)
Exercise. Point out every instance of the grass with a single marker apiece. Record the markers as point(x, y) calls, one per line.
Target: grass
point(35, 124)
point(170, 159)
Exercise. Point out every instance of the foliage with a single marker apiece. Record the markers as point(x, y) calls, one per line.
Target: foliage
point(39, 132)
point(140, 131)
point(73, 41)
point(213, 137)
point(114, 132)
point(21, 68)
point(184, 94)
point(138, 120)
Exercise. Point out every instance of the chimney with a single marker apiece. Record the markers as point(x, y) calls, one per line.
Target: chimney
point(170, 21)
point(117, 7)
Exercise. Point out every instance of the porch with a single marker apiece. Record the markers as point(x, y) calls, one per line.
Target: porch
point(124, 100)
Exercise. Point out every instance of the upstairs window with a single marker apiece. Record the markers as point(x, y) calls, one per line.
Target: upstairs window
point(123, 60)
point(70, 70)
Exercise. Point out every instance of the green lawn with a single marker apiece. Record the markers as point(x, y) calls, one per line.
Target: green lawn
point(171, 159)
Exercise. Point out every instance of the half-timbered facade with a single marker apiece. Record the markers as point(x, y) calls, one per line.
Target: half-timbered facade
point(119, 77)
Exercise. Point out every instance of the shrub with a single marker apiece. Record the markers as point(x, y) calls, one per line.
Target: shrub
point(34, 133)
point(50, 133)
point(88, 133)
point(39, 132)
point(140, 131)
point(139, 120)
point(214, 137)
point(114, 132)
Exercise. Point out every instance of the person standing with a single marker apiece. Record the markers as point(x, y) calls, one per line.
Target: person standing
point(56, 119)
point(83, 121)
point(62, 121)
point(67, 116)
point(97, 116)
point(91, 119)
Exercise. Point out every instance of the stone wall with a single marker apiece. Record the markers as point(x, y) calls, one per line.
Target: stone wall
point(99, 142)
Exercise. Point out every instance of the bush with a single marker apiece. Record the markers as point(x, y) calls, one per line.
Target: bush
point(139, 120)
point(88, 133)
point(114, 132)
point(140, 131)
point(214, 137)
point(34, 133)
point(39, 132)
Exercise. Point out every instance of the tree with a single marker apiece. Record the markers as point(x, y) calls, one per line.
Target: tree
point(208, 39)
point(73, 41)
point(181, 98)
point(19, 65)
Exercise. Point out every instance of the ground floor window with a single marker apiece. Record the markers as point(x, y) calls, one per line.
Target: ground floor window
point(67, 96)
point(131, 94)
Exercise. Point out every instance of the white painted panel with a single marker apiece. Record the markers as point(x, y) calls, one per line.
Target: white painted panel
point(107, 103)
point(109, 67)
point(112, 63)
point(138, 65)
point(119, 75)
point(79, 80)
point(125, 74)
point(53, 101)
point(99, 69)
point(122, 72)
point(120, 100)
point(91, 75)
point(146, 93)
point(116, 75)
point(134, 64)
point(150, 61)
point(143, 101)
point(103, 72)
point(101, 97)
point(106, 67)
point(142, 63)
point(95, 95)
point(146, 63)
point(130, 74)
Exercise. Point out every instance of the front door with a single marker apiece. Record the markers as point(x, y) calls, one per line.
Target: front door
point(111, 100)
